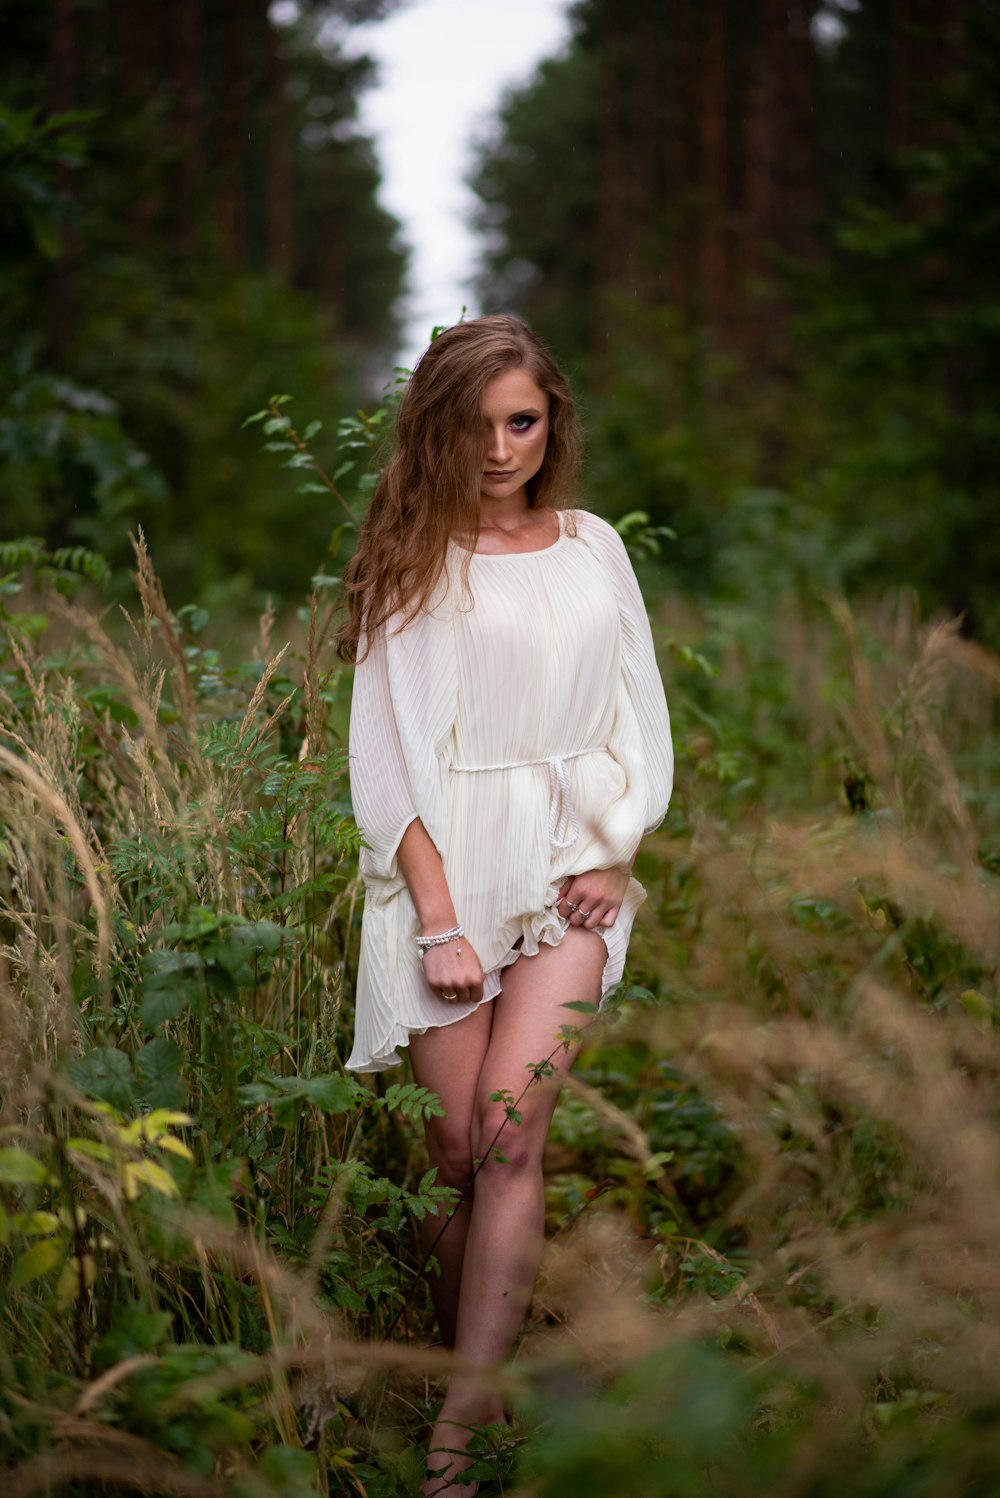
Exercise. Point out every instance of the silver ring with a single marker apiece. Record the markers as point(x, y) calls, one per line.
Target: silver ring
point(449, 996)
point(586, 914)
point(573, 908)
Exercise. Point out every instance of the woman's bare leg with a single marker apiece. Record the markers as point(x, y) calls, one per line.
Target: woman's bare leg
point(448, 1060)
point(506, 1229)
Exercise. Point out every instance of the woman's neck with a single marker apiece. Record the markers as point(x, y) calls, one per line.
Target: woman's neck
point(524, 531)
point(510, 513)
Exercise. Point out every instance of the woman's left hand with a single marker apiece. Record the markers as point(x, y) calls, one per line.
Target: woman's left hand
point(593, 899)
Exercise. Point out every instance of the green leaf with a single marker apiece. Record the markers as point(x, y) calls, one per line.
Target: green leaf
point(311, 430)
point(265, 936)
point(412, 1101)
point(344, 470)
point(39, 1259)
point(134, 1332)
point(159, 1065)
point(347, 1298)
point(194, 616)
point(331, 1094)
point(290, 1471)
point(160, 1004)
point(92, 1148)
point(35, 1224)
point(45, 231)
point(106, 1075)
point(164, 966)
point(653, 1167)
point(18, 1168)
point(253, 1094)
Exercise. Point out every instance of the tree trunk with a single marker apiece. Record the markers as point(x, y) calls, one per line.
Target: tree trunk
point(900, 23)
point(187, 102)
point(681, 162)
point(62, 97)
point(925, 42)
point(713, 259)
point(332, 270)
point(232, 128)
point(279, 224)
point(781, 199)
point(611, 164)
point(138, 38)
point(642, 273)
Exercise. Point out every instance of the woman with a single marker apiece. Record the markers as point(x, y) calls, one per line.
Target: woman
point(509, 746)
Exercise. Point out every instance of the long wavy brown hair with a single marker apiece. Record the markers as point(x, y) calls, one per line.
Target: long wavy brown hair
point(429, 488)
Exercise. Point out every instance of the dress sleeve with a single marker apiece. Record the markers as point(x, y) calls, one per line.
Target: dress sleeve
point(641, 679)
point(380, 786)
point(402, 716)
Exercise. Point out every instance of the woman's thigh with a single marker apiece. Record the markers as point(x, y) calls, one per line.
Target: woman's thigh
point(498, 1047)
point(448, 1059)
point(530, 1016)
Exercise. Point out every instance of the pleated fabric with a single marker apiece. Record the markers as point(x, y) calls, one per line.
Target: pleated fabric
point(523, 720)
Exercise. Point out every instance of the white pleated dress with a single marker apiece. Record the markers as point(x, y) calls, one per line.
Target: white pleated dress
point(524, 722)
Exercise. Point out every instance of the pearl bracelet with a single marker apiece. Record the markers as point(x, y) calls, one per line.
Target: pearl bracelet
point(424, 943)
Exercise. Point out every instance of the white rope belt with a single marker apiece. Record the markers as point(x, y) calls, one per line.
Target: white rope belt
point(564, 825)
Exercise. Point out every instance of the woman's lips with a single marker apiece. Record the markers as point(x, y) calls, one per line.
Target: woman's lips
point(498, 473)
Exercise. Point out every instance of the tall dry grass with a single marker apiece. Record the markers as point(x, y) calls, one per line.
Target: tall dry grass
point(813, 1309)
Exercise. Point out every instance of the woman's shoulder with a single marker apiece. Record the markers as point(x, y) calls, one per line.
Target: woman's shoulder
point(600, 534)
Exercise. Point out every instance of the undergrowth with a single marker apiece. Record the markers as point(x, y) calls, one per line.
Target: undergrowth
point(772, 1183)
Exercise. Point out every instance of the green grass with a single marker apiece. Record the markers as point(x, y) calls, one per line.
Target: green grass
point(772, 1186)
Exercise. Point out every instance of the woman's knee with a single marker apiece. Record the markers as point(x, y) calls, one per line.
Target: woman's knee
point(505, 1143)
point(449, 1149)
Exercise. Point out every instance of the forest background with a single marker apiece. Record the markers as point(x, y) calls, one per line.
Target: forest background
point(765, 240)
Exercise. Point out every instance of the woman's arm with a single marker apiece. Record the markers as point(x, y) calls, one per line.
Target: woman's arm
point(597, 894)
point(641, 679)
point(453, 969)
point(380, 786)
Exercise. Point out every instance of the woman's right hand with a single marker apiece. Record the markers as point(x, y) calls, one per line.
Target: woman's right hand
point(454, 971)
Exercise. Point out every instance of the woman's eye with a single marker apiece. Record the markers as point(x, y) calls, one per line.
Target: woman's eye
point(522, 423)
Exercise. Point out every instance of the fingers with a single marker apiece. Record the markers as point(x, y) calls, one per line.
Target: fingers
point(461, 993)
point(470, 993)
point(587, 913)
point(602, 914)
point(574, 907)
point(455, 978)
point(592, 900)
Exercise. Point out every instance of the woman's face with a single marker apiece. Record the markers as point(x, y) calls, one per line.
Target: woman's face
point(515, 414)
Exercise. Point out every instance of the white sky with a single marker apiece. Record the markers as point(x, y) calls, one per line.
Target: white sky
point(443, 68)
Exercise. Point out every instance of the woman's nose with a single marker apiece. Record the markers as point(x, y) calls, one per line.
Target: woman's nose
point(498, 449)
